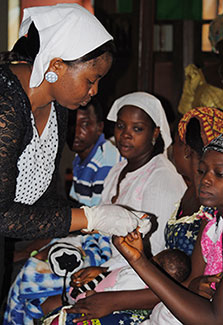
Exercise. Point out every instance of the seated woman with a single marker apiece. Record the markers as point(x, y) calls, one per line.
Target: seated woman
point(143, 180)
point(197, 127)
point(195, 130)
point(187, 307)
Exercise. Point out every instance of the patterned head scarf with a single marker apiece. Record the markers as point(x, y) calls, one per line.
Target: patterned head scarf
point(66, 31)
point(216, 31)
point(148, 103)
point(216, 144)
point(211, 123)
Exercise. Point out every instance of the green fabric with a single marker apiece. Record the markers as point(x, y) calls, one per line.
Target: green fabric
point(179, 9)
point(124, 6)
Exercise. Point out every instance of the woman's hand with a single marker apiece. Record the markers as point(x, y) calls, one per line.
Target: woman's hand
point(131, 246)
point(202, 285)
point(94, 306)
point(86, 275)
point(116, 220)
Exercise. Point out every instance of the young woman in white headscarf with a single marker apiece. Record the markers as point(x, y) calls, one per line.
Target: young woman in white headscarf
point(62, 53)
point(146, 181)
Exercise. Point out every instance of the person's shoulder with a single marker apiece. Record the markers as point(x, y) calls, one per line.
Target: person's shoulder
point(12, 95)
point(109, 145)
point(110, 153)
point(165, 168)
point(163, 162)
point(116, 168)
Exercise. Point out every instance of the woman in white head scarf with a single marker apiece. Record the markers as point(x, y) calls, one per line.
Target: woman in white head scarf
point(146, 181)
point(56, 66)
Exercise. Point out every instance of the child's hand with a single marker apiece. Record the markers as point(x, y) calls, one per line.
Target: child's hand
point(202, 285)
point(131, 246)
point(86, 275)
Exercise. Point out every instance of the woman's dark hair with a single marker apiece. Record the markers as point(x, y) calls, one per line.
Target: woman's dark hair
point(193, 136)
point(108, 47)
point(26, 49)
point(159, 145)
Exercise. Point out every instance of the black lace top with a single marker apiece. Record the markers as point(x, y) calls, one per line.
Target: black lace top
point(49, 216)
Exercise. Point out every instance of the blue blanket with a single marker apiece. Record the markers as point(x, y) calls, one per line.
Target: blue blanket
point(36, 282)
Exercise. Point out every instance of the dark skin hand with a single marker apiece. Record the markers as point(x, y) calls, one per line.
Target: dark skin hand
point(186, 306)
point(202, 285)
point(86, 275)
point(104, 303)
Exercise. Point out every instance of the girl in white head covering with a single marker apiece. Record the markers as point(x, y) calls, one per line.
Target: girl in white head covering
point(146, 180)
point(148, 103)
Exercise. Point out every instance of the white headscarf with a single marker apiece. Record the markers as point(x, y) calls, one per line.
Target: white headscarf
point(151, 105)
point(66, 31)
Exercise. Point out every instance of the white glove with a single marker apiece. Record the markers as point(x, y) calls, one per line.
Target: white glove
point(113, 219)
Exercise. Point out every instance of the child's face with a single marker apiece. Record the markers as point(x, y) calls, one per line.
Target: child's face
point(210, 187)
point(134, 133)
point(87, 131)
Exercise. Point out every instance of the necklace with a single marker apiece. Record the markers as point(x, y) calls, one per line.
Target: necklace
point(220, 73)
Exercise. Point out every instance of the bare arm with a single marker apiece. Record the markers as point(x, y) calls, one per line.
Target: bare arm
point(78, 220)
point(188, 307)
point(198, 263)
point(104, 303)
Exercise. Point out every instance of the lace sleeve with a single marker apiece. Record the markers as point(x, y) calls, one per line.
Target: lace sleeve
point(47, 217)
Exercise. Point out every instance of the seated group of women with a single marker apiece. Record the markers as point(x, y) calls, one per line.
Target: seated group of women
point(51, 68)
point(145, 181)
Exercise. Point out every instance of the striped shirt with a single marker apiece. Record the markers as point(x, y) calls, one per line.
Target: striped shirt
point(89, 175)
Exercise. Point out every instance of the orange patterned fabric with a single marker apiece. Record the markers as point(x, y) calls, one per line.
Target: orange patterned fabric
point(211, 122)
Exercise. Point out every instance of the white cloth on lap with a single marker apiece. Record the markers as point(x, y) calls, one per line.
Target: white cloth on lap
point(161, 316)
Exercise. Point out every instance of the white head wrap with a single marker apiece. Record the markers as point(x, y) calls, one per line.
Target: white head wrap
point(66, 31)
point(148, 103)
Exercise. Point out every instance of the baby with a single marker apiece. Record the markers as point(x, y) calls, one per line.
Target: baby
point(90, 280)
point(97, 279)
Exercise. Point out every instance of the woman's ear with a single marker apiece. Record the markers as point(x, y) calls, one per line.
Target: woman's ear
point(58, 66)
point(156, 132)
point(187, 152)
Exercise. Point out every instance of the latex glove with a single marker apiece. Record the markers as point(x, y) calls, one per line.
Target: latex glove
point(113, 219)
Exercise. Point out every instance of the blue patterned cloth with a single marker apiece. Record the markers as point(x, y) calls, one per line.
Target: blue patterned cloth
point(97, 249)
point(182, 233)
point(28, 292)
point(35, 282)
point(182, 236)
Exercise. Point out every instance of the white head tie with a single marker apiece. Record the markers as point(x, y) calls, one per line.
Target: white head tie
point(151, 105)
point(66, 31)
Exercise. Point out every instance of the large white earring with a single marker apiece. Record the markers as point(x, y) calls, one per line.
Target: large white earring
point(51, 77)
point(153, 141)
